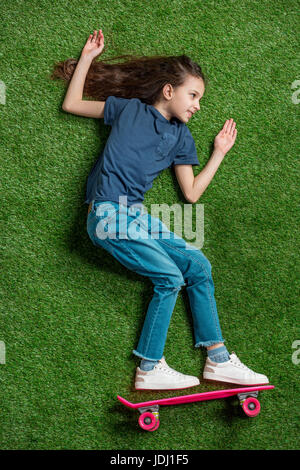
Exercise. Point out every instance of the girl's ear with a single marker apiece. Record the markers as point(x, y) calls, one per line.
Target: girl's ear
point(168, 91)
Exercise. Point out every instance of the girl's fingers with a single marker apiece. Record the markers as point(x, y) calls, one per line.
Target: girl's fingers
point(232, 127)
point(229, 126)
point(226, 125)
point(95, 37)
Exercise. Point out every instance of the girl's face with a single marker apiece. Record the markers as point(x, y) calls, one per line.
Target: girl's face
point(186, 98)
point(182, 102)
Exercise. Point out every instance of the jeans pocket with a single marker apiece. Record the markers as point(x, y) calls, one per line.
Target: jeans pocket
point(107, 210)
point(107, 222)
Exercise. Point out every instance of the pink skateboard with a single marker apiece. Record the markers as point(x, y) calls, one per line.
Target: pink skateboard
point(149, 414)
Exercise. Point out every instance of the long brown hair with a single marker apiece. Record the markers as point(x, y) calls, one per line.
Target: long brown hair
point(140, 77)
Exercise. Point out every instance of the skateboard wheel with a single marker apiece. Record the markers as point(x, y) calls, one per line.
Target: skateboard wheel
point(251, 406)
point(148, 421)
point(156, 426)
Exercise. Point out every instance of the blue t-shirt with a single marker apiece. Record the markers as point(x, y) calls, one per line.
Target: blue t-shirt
point(141, 144)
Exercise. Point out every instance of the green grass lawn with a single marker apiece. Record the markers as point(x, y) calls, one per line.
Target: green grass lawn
point(70, 313)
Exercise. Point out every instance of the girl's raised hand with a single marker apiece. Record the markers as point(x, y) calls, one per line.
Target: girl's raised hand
point(94, 45)
point(226, 137)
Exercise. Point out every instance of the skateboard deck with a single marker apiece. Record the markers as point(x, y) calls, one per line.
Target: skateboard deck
point(149, 410)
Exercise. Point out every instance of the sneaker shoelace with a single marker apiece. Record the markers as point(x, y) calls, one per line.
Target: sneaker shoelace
point(168, 369)
point(236, 361)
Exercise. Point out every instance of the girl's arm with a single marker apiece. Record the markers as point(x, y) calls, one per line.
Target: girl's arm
point(73, 102)
point(193, 187)
point(75, 89)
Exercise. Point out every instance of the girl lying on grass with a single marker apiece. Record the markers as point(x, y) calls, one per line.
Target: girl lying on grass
point(148, 102)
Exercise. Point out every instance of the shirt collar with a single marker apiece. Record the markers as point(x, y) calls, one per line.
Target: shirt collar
point(159, 115)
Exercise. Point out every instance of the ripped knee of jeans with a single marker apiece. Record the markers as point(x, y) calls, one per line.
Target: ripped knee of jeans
point(168, 285)
point(179, 287)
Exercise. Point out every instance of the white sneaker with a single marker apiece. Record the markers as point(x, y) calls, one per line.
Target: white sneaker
point(232, 371)
point(162, 377)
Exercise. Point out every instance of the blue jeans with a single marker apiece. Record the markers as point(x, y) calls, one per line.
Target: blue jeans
point(143, 244)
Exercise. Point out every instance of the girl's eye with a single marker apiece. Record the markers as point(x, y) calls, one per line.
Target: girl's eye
point(193, 94)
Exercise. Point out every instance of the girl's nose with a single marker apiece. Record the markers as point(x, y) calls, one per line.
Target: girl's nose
point(197, 106)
